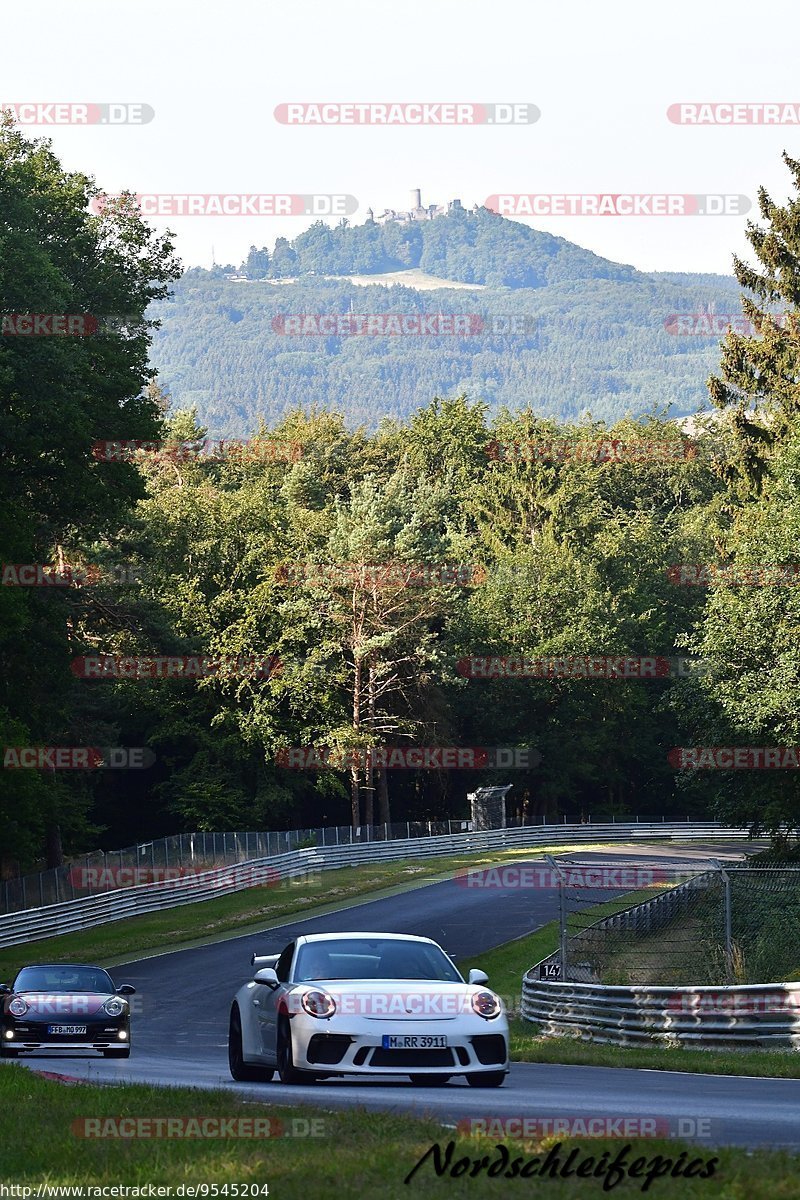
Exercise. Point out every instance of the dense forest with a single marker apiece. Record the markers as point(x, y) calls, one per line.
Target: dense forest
point(592, 336)
point(262, 556)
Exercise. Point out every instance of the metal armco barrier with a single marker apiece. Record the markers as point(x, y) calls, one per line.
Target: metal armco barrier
point(32, 924)
point(754, 1015)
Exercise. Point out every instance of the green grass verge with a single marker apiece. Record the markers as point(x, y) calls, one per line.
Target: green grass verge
point(247, 911)
point(505, 967)
point(358, 1154)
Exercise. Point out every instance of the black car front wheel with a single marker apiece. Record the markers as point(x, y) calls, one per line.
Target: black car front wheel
point(8, 1051)
point(241, 1071)
point(286, 1068)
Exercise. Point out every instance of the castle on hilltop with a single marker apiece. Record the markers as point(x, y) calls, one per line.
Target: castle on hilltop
point(417, 212)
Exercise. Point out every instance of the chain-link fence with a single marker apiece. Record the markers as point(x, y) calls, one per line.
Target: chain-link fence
point(668, 926)
point(188, 854)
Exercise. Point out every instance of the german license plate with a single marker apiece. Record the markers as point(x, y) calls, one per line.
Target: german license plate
point(414, 1041)
point(66, 1029)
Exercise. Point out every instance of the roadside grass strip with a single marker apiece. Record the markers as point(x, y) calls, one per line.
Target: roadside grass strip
point(308, 1152)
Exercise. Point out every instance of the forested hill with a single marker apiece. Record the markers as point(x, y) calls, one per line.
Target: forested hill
point(471, 247)
point(591, 335)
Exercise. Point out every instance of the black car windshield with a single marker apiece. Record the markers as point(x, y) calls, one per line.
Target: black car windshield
point(373, 958)
point(63, 978)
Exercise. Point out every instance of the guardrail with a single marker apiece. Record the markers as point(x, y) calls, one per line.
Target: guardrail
point(748, 1015)
point(33, 924)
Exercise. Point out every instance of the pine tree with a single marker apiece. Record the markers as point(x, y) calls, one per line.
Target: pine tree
point(760, 374)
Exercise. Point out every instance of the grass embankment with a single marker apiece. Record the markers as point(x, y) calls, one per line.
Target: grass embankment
point(356, 1154)
point(250, 910)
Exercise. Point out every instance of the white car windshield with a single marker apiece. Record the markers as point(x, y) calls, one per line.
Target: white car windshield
point(373, 958)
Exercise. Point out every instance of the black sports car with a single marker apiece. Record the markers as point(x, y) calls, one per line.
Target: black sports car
point(63, 1006)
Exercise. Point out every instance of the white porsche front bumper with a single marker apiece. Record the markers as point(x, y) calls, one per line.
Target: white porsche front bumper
point(339, 1046)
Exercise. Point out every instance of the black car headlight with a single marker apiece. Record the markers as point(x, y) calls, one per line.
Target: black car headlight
point(18, 1007)
point(114, 1007)
point(486, 1005)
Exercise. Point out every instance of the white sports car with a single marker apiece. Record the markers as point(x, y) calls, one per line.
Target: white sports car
point(366, 1004)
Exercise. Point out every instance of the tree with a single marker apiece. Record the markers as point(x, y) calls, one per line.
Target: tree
point(758, 387)
point(58, 394)
point(284, 259)
point(747, 639)
point(256, 265)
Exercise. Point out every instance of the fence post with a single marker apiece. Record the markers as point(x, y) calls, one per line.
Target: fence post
point(726, 879)
point(562, 916)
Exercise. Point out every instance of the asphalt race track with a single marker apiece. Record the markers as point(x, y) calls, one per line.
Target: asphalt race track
point(180, 1032)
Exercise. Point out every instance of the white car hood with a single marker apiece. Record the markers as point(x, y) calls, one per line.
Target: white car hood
point(397, 1000)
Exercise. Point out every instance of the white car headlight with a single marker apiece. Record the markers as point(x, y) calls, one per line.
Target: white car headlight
point(18, 1007)
point(486, 1005)
point(114, 1007)
point(318, 1004)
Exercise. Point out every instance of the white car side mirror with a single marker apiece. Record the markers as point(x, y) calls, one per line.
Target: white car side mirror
point(476, 976)
point(267, 975)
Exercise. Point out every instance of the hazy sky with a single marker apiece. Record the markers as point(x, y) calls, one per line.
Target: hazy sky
point(603, 76)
